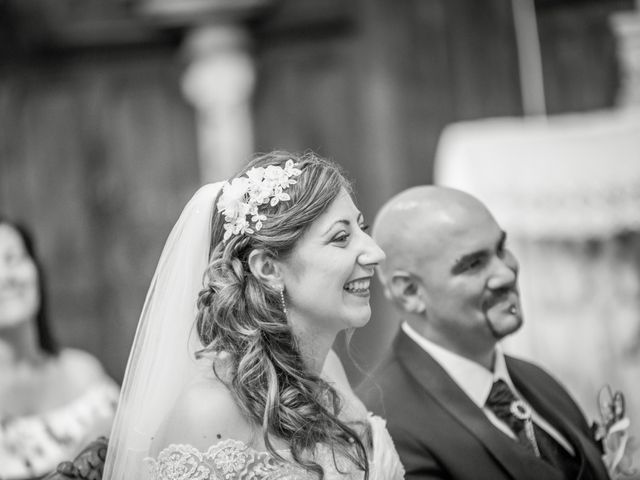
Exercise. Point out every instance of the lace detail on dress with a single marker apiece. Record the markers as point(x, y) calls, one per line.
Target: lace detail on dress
point(234, 460)
point(227, 460)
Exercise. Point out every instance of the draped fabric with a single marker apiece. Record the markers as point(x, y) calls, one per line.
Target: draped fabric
point(567, 191)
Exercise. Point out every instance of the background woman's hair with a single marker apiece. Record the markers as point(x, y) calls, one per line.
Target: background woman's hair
point(242, 318)
point(46, 340)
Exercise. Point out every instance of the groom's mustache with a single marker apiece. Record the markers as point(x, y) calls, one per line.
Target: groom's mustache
point(502, 295)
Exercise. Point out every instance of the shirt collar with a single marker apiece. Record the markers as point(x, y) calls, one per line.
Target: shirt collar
point(471, 377)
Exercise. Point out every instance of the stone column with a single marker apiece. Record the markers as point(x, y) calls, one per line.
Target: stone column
point(219, 78)
point(219, 82)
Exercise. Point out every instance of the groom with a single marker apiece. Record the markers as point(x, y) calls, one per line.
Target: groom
point(456, 406)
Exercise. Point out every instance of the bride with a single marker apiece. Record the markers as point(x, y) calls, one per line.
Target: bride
point(232, 375)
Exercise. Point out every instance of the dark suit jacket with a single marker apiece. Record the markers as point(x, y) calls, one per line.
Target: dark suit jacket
point(441, 434)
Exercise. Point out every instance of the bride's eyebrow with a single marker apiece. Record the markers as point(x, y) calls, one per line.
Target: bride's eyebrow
point(345, 222)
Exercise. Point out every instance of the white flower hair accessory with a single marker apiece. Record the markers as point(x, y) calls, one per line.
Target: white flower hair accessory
point(241, 199)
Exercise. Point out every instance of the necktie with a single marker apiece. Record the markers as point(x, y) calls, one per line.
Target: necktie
point(517, 415)
point(514, 412)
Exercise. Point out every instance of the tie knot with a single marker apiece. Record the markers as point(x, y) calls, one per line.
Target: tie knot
point(501, 402)
point(500, 395)
point(514, 412)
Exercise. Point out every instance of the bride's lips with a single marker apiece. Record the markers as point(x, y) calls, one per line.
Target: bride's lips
point(358, 287)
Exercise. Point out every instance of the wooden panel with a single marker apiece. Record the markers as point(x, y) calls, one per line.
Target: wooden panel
point(578, 53)
point(98, 155)
point(483, 58)
point(31, 25)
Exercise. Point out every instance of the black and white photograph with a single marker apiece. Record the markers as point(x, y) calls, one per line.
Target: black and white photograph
point(319, 239)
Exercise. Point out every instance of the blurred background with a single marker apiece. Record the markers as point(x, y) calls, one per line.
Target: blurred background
point(112, 113)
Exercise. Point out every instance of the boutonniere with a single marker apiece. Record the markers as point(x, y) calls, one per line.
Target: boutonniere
point(611, 433)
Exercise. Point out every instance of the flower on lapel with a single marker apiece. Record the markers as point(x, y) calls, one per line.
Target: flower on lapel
point(611, 432)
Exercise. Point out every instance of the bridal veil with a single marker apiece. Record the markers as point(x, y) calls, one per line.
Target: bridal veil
point(162, 360)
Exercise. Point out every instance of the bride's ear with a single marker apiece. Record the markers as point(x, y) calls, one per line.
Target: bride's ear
point(264, 267)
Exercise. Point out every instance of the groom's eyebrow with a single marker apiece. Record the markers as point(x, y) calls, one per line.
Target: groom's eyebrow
point(460, 262)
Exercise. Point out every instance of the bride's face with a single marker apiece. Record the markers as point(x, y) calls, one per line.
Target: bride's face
point(328, 274)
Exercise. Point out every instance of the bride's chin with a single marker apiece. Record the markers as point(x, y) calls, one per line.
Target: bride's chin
point(358, 321)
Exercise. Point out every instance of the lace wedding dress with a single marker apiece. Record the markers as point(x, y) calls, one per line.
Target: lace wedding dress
point(234, 460)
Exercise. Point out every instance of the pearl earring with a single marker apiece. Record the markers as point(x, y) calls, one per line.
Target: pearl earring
point(283, 304)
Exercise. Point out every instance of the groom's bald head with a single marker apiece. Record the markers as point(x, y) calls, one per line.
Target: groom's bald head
point(410, 226)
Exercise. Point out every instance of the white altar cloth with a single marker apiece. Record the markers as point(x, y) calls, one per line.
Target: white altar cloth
point(571, 176)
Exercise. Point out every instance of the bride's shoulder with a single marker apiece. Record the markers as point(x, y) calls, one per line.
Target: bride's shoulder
point(204, 414)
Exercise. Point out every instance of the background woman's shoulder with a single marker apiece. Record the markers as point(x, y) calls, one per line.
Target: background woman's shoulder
point(76, 375)
point(80, 367)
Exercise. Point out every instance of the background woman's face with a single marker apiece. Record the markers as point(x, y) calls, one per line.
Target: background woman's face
point(19, 297)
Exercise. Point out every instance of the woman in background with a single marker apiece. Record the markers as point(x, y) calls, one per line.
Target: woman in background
point(52, 401)
point(232, 376)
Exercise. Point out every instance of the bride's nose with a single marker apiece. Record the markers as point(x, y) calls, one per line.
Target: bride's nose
point(371, 254)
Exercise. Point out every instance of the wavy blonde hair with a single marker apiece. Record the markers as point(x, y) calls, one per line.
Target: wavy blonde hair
point(242, 317)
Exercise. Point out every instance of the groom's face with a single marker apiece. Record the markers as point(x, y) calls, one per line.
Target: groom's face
point(469, 278)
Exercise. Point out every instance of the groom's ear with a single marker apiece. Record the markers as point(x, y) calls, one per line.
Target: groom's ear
point(404, 290)
point(264, 267)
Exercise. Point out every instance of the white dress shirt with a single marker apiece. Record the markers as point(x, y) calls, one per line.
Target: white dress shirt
point(476, 381)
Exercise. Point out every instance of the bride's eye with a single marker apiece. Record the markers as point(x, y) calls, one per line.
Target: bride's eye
point(340, 237)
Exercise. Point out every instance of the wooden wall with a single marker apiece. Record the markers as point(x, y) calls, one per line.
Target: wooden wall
point(580, 66)
point(98, 156)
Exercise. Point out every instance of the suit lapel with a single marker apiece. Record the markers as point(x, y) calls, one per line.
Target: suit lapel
point(436, 383)
point(545, 401)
